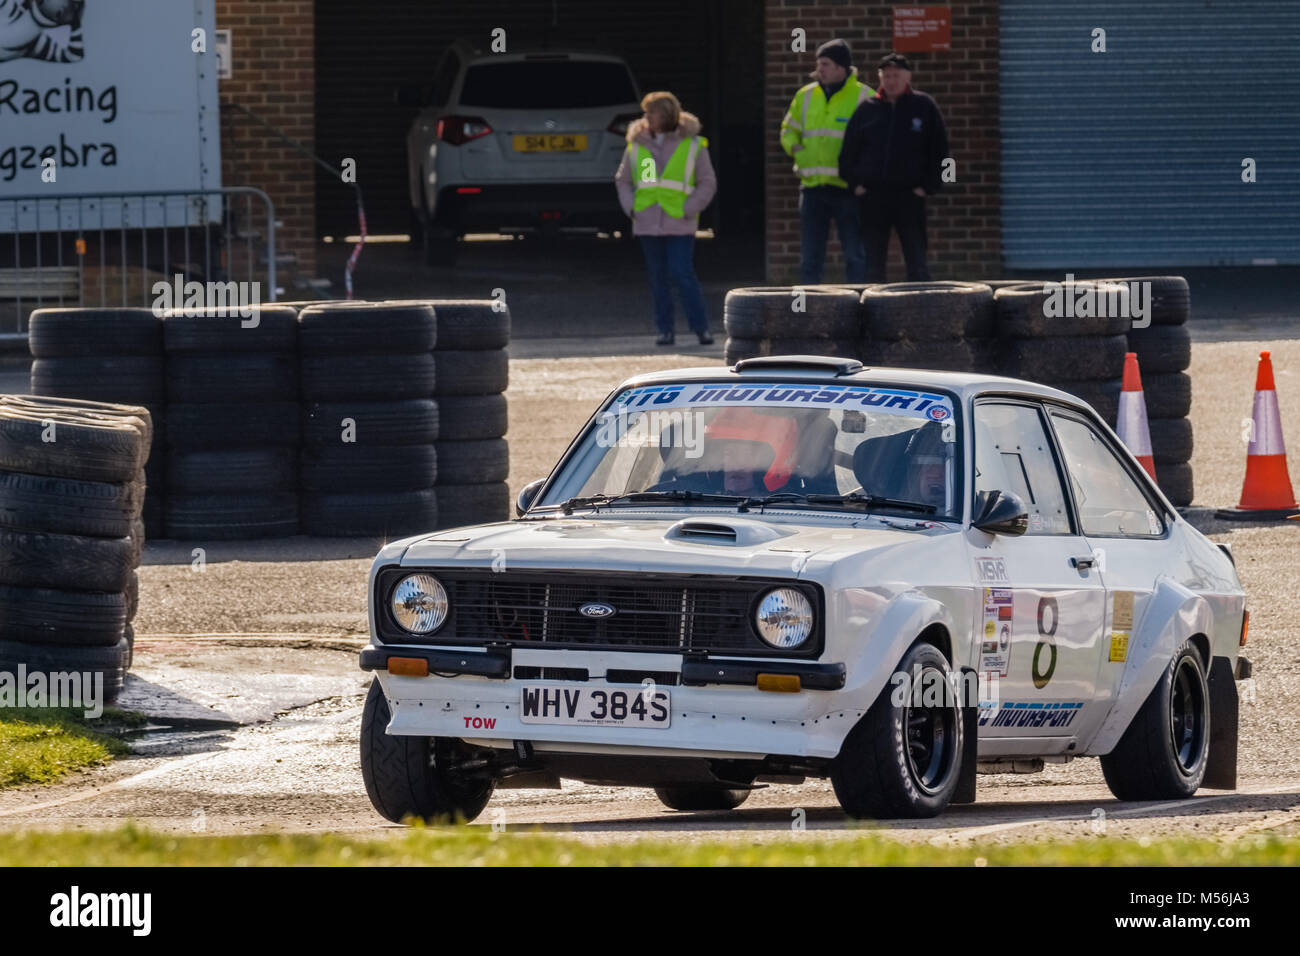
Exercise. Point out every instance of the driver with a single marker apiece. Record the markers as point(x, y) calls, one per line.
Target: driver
point(750, 451)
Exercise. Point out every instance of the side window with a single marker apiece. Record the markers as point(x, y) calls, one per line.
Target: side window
point(1012, 453)
point(444, 79)
point(1110, 501)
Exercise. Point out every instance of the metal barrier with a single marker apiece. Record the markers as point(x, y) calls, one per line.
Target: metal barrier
point(109, 249)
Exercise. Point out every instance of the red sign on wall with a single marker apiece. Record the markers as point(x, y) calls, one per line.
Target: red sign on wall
point(922, 29)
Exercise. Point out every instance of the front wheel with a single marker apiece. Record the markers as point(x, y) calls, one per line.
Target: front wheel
point(903, 758)
point(700, 797)
point(415, 776)
point(1164, 752)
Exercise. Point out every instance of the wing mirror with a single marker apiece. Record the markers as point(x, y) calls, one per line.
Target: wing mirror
point(1001, 512)
point(526, 496)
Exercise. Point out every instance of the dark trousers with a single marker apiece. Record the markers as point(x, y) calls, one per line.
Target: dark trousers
point(668, 259)
point(818, 205)
point(885, 209)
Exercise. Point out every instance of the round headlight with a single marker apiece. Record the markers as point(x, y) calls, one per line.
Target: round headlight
point(784, 618)
point(419, 603)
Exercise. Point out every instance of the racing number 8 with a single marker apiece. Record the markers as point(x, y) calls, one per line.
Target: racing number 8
point(1047, 613)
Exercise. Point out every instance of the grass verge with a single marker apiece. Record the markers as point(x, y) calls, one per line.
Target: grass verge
point(41, 745)
point(479, 846)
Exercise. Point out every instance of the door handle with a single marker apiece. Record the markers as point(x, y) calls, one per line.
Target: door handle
point(1083, 562)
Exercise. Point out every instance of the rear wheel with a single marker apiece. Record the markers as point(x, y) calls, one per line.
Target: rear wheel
point(903, 758)
point(1163, 753)
point(415, 776)
point(701, 797)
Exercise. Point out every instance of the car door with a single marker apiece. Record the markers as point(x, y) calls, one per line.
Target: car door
point(1042, 605)
point(1126, 527)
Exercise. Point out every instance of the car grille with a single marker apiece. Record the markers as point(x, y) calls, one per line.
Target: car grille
point(667, 613)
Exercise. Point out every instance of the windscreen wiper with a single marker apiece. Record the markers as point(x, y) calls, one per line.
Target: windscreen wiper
point(597, 500)
point(853, 498)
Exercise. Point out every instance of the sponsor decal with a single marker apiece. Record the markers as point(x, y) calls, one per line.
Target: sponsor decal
point(1048, 615)
point(995, 651)
point(1118, 646)
point(1121, 618)
point(908, 403)
point(991, 571)
point(1052, 715)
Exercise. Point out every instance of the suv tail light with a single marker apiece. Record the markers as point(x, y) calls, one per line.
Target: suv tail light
point(618, 126)
point(458, 130)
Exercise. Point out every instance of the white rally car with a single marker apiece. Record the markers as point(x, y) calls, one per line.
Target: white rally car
point(802, 567)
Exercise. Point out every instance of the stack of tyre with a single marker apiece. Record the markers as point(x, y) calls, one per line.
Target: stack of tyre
point(369, 419)
point(1164, 352)
point(791, 320)
point(1083, 355)
point(70, 535)
point(936, 325)
point(105, 355)
point(473, 373)
point(232, 424)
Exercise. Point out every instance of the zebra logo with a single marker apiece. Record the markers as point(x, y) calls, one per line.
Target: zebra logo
point(48, 30)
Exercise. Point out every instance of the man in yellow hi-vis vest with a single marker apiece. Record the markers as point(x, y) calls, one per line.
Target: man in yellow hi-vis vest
point(812, 133)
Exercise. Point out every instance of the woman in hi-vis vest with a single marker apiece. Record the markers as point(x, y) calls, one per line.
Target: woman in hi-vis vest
point(664, 181)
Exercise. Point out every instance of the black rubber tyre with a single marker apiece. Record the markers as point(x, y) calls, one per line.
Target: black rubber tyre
point(231, 517)
point(1161, 348)
point(928, 311)
point(409, 776)
point(129, 379)
point(700, 797)
point(1175, 480)
point(473, 462)
point(232, 471)
point(1021, 314)
point(469, 417)
point(472, 372)
point(1171, 440)
point(372, 514)
point(1102, 394)
point(65, 562)
point(62, 333)
point(1168, 395)
point(89, 449)
point(111, 661)
point(216, 425)
point(140, 416)
point(153, 514)
point(270, 328)
point(996, 284)
point(412, 421)
point(1171, 301)
point(903, 761)
point(769, 313)
point(67, 505)
point(953, 356)
point(1055, 360)
point(352, 468)
point(389, 378)
point(353, 328)
point(736, 350)
point(132, 596)
point(1164, 751)
point(750, 348)
point(200, 379)
point(462, 505)
point(45, 616)
point(471, 324)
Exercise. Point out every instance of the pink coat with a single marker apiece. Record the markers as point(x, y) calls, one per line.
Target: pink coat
point(654, 221)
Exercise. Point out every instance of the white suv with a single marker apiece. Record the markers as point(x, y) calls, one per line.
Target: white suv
point(518, 143)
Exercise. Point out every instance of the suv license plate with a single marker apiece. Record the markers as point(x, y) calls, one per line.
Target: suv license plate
point(551, 143)
point(551, 704)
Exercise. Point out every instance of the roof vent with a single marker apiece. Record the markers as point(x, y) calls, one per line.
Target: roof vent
point(824, 363)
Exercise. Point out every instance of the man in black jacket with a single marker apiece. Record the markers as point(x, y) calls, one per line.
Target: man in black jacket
point(892, 158)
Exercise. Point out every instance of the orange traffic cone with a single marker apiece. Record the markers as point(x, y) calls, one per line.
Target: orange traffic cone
point(1266, 493)
point(1132, 425)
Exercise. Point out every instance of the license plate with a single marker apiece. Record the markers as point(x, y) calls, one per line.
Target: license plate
point(542, 704)
point(551, 143)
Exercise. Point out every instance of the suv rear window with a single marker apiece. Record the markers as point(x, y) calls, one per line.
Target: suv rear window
point(547, 85)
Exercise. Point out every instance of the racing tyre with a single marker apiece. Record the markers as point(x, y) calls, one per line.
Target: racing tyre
point(349, 328)
point(1175, 481)
point(1162, 348)
point(1022, 312)
point(473, 462)
point(232, 517)
point(471, 372)
point(461, 505)
point(470, 417)
point(953, 356)
point(68, 506)
point(63, 333)
point(1170, 298)
point(369, 468)
point(1162, 755)
point(65, 561)
point(111, 661)
point(701, 797)
point(1169, 395)
point(218, 425)
point(334, 378)
point(769, 313)
point(415, 776)
point(132, 379)
point(270, 328)
point(1103, 395)
point(471, 324)
point(1171, 441)
point(44, 616)
point(370, 514)
point(901, 759)
point(928, 311)
point(1065, 359)
point(251, 377)
point(414, 421)
point(737, 349)
point(84, 448)
point(231, 472)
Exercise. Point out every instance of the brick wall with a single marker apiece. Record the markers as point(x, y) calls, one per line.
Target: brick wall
point(964, 220)
point(274, 76)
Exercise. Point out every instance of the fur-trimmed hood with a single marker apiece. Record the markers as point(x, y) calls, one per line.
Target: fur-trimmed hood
point(638, 131)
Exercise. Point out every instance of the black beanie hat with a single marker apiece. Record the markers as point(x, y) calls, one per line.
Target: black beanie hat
point(838, 51)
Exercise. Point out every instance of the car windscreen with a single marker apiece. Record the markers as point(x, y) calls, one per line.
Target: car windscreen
point(540, 85)
point(770, 438)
